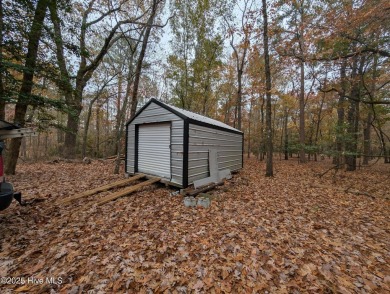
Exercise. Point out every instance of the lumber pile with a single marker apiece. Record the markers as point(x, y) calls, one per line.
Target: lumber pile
point(127, 191)
point(101, 189)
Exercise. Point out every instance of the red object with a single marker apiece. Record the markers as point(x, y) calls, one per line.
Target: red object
point(1, 166)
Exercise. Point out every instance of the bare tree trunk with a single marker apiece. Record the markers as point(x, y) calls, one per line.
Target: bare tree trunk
point(338, 158)
point(119, 110)
point(367, 139)
point(386, 153)
point(97, 151)
point(87, 66)
point(370, 118)
point(350, 157)
point(285, 134)
point(319, 118)
point(269, 164)
point(261, 145)
point(227, 112)
point(46, 144)
point(122, 115)
point(86, 128)
point(302, 156)
point(27, 82)
point(301, 40)
point(235, 117)
point(134, 98)
point(239, 98)
point(249, 129)
point(353, 115)
point(89, 114)
point(72, 127)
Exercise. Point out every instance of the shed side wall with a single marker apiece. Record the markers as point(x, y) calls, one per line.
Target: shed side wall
point(154, 114)
point(201, 139)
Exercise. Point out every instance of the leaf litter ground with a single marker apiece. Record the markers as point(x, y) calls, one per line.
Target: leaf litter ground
point(294, 233)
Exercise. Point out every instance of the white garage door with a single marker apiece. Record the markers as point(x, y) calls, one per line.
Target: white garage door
point(154, 154)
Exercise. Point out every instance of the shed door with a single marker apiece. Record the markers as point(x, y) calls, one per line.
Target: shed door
point(154, 153)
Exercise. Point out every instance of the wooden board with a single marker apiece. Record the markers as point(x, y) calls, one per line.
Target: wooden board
point(101, 189)
point(16, 133)
point(126, 191)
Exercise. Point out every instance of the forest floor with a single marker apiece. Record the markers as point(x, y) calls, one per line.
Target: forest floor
point(294, 233)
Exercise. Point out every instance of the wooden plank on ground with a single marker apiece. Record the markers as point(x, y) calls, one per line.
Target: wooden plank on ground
point(101, 189)
point(127, 191)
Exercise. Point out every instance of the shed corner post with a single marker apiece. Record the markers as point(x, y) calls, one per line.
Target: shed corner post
point(186, 137)
point(126, 147)
point(136, 135)
point(242, 157)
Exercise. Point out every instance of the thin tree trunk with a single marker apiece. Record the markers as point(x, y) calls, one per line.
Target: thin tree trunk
point(302, 156)
point(27, 82)
point(227, 112)
point(235, 117)
point(285, 134)
point(367, 139)
point(338, 159)
point(97, 150)
point(249, 130)
point(86, 126)
point(46, 144)
point(74, 94)
point(119, 110)
point(370, 118)
point(239, 98)
point(353, 115)
point(269, 164)
point(261, 144)
point(319, 118)
point(350, 157)
point(386, 153)
point(134, 98)
point(122, 115)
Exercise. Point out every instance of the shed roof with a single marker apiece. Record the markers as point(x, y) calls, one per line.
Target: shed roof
point(186, 114)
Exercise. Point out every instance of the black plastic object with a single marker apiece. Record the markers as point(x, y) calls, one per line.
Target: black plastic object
point(6, 195)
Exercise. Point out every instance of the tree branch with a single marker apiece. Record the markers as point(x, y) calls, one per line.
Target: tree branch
point(355, 99)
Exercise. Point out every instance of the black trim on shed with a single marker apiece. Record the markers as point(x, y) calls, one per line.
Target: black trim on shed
point(136, 138)
point(242, 155)
point(183, 116)
point(210, 126)
point(159, 104)
point(126, 144)
point(186, 139)
point(187, 120)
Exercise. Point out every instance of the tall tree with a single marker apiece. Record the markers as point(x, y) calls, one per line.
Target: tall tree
point(296, 16)
point(301, 42)
point(138, 69)
point(240, 49)
point(89, 57)
point(194, 67)
point(269, 144)
point(24, 98)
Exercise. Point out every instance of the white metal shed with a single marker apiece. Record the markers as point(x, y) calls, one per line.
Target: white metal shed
point(174, 144)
